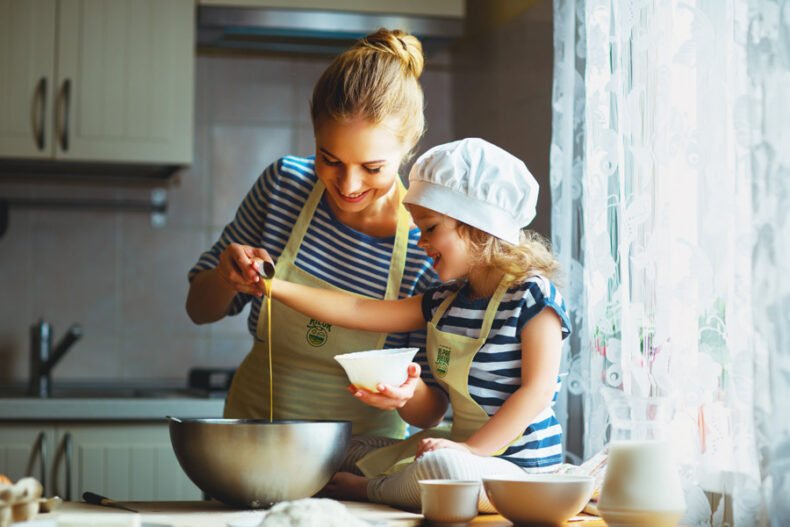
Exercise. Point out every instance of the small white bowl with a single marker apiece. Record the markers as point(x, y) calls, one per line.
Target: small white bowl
point(367, 369)
point(449, 502)
point(539, 498)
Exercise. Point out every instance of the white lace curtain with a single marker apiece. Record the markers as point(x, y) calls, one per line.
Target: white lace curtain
point(670, 181)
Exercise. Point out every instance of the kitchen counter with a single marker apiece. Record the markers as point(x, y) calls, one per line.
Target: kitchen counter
point(214, 514)
point(105, 409)
point(108, 400)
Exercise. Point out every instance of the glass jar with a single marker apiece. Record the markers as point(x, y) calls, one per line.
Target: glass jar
point(642, 484)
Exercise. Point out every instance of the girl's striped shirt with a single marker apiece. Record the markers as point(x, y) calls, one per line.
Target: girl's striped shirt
point(496, 368)
point(331, 250)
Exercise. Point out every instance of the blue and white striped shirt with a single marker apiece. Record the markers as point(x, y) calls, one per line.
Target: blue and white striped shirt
point(331, 250)
point(496, 368)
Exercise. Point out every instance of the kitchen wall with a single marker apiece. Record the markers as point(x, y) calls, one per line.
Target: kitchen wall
point(125, 280)
point(502, 85)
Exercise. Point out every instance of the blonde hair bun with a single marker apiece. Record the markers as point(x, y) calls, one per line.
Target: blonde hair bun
point(377, 78)
point(400, 44)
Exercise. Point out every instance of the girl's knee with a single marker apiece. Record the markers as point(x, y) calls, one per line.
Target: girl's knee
point(444, 463)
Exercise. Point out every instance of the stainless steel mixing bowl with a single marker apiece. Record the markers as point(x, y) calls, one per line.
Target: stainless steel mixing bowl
point(256, 463)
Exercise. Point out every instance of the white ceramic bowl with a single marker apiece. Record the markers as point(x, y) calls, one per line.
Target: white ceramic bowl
point(539, 498)
point(449, 502)
point(366, 369)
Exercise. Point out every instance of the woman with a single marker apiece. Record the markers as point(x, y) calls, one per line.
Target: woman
point(334, 221)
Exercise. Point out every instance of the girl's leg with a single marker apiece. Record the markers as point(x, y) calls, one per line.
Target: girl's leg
point(345, 486)
point(403, 490)
point(361, 446)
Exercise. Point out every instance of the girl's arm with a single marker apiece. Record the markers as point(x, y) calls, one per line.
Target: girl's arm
point(426, 408)
point(417, 403)
point(541, 353)
point(351, 311)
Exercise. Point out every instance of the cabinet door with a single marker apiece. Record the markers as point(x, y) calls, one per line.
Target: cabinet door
point(125, 80)
point(124, 461)
point(27, 450)
point(27, 66)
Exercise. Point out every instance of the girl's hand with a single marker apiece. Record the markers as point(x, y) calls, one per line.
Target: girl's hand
point(236, 269)
point(434, 443)
point(390, 397)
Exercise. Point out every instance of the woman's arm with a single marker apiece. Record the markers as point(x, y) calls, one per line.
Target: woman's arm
point(351, 311)
point(211, 292)
point(541, 353)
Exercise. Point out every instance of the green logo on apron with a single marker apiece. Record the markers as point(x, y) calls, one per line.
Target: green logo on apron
point(442, 360)
point(317, 332)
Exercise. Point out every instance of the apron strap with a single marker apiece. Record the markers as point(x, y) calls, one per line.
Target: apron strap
point(490, 315)
point(302, 223)
point(399, 249)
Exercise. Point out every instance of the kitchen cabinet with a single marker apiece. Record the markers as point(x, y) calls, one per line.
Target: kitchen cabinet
point(123, 460)
point(97, 80)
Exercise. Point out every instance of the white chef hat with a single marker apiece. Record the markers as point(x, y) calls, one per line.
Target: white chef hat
point(477, 183)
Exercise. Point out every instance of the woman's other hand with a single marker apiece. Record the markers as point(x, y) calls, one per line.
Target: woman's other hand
point(236, 268)
point(390, 397)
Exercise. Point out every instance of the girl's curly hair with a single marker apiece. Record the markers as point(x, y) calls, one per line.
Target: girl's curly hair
point(532, 256)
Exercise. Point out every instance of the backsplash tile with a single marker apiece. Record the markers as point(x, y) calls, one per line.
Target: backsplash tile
point(239, 153)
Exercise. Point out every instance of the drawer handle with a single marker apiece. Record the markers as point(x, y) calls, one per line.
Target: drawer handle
point(64, 135)
point(41, 92)
point(67, 447)
point(39, 445)
point(64, 450)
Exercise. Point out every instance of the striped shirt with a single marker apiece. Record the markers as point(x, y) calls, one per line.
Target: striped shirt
point(496, 368)
point(331, 250)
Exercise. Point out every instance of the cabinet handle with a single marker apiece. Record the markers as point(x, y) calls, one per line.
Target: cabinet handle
point(41, 92)
point(39, 445)
point(64, 134)
point(67, 446)
point(63, 450)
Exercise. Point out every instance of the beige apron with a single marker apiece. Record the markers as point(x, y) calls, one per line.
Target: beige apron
point(450, 358)
point(308, 382)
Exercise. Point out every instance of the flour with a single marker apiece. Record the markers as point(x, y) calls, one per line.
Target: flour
point(311, 512)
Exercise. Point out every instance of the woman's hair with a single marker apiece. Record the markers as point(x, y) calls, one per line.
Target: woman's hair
point(375, 78)
point(532, 256)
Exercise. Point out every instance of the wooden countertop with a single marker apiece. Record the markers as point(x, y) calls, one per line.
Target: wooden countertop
point(215, 514)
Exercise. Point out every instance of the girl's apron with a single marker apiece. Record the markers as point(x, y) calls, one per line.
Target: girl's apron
point(308, 382)
point(450, 358)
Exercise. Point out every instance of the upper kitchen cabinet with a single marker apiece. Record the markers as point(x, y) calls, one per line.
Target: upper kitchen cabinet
point(97, 80)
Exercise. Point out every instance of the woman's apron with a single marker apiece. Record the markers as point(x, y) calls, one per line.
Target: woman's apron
point(450, 358)
point(308, 382)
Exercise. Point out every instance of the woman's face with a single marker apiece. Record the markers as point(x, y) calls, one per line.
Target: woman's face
point(357, 161)
point(440, 239)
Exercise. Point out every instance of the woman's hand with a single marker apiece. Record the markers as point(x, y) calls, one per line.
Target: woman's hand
point(390, 397)
point(434, 443)
point(237, 271)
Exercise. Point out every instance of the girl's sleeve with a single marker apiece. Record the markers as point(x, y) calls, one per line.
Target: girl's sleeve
point(538, 293)
point(245, 229)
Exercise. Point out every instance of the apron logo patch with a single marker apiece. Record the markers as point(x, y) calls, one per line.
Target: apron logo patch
point(442, 360)
point(317, 332)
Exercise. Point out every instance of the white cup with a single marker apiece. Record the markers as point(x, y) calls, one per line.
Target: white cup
point(449, 502)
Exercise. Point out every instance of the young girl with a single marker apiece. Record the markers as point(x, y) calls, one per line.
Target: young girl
point(495, 328)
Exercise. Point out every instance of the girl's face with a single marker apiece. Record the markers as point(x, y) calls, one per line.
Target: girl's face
point(441, 241)
point(357, 161)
